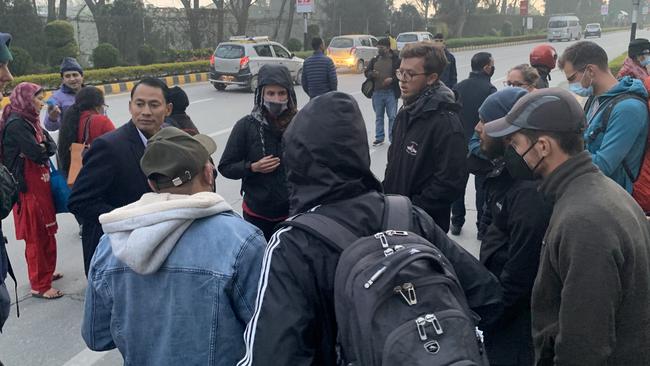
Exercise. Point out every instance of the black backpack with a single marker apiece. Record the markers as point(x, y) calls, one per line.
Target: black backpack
point(397, 298)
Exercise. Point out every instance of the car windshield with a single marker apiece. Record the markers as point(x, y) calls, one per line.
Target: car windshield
point(593, 26)
point(342, 43)
point(557, 24)
point(407, 38)
point(230, 51)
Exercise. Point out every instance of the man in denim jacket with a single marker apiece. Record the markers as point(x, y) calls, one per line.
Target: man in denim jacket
point(174, 279)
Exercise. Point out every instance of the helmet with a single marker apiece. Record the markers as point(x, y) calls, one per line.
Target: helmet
point(543, 55)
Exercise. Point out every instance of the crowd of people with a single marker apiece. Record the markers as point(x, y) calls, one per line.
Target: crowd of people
point(563, 273)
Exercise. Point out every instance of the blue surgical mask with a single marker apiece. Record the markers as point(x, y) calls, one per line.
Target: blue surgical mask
point(646, 61)
point(580, 90)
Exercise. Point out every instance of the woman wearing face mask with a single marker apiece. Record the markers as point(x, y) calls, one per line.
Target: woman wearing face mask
point(26, 150)
point(83, 122)
point(637, 61)
point(254, 150)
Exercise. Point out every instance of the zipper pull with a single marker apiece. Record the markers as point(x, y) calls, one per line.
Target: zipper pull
point(431, 318)
point(398, 290)
point(375, 276)
point(396, 233)
point(382, 240)
point(410, 290)
point(420, 322)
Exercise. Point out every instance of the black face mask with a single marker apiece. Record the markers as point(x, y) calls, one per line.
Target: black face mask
point(491, 71)
point(517, 166)
point(493, 148)
point(275, 108)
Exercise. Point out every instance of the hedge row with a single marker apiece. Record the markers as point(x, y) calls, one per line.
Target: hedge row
point(118, 74)
point(484, 41)
point(616, 64)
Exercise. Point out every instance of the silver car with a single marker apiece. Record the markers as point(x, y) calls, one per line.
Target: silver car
point(352, 51)
point(238, 61)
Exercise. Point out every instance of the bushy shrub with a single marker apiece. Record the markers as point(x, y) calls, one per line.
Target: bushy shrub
point(294, 45)
point(506, 29)
point(187, 55)
point(119, 74)
point(147, 55)
point(22, 63)
point(105, 55)
point(59, 42)
point(494, 33)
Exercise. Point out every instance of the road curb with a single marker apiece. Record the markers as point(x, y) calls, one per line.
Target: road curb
point(127, 86)
point(504, 44)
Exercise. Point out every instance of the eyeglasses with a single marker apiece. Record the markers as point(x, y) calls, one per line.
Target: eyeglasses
point(515, 84)
point(406, 76)
point(570, 78)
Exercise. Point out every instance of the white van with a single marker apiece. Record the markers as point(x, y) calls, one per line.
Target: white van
point(563, 27)
point(411, 37)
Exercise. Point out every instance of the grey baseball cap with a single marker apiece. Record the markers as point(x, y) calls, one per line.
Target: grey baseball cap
point(551, 109)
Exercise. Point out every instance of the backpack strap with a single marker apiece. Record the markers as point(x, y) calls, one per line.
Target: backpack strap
point(609, 107)
point(11, 273)
point(397, 216)
point(397, 213)
point(328, 230)
point(604, 121)
point(87, 130)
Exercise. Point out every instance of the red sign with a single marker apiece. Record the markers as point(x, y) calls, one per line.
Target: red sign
point(523, 7)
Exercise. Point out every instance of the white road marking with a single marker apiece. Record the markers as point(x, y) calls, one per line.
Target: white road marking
point(202, 100)
point(220, 132)
point(85, 358)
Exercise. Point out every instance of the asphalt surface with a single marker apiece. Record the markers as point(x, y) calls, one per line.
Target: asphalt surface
point(48, 332)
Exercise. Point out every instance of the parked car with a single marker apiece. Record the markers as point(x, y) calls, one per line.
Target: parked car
point(238, 61)
point(563, 27)
point(412, 37)
point(593, 30)
point(352, 51)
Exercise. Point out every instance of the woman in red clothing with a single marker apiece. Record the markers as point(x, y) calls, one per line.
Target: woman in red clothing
point(26, 149)
point(87, 112)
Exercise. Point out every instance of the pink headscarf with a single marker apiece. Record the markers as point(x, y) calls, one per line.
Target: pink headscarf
point(21, 103)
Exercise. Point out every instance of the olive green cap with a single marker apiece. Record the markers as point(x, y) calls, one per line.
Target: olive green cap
point(173, 157)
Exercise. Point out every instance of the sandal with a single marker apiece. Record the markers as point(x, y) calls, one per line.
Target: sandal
point(50, 294)
point(57, 276)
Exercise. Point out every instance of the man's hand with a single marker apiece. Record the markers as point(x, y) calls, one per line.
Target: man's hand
point(265, 165)
point(387, 82)
point(53, 113)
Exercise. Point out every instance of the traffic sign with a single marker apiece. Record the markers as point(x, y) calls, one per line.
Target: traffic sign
point(604, 9)
point(305, 6)
point(523, 8)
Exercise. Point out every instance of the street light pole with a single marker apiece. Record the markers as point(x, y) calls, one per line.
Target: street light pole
point(635, 15)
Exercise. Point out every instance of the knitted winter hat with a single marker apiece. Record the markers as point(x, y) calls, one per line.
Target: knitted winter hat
point(70, 64)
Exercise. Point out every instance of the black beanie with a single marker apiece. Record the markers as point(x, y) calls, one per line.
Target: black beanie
point(70, 64)
point(638, 47)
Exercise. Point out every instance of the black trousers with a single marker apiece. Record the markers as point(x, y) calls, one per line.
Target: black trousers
point(458, 210)
point(267, 227)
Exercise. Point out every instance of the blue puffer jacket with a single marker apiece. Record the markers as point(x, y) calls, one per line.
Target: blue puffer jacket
point(626, 133)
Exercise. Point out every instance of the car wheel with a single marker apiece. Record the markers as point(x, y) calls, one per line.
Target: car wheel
point(219, 86)
point(299, 77)
point(253, 84)
point(360, 67)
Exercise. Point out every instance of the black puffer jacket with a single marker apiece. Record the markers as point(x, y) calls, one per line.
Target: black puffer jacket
point(294, 322)
point(253, 138)
point(427, 160)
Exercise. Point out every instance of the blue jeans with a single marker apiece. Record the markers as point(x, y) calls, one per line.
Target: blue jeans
point(384, 101)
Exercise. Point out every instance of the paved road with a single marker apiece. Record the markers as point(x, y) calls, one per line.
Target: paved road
point(48, 332)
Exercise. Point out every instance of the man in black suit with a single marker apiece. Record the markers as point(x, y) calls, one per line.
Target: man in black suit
point(111, 176)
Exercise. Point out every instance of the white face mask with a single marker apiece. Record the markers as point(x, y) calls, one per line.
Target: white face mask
point(645, 61)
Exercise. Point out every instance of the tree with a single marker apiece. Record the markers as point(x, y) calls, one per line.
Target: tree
point(423, 7)
point(127, 20)
point(239, 9)
point(51, 10)
point(60, 42)
point(192, 13)
point(407, 19)
point(19, 18)
point(292, 12)
point(63, 9)
point(278, 22)
point(98, 8)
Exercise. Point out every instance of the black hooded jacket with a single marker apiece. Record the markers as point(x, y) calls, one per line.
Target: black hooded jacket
point(254, 137)
point(328, 164)
point(427, 160)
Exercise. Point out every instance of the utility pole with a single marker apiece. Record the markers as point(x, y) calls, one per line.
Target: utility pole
point(305, 40)
point(635, 15)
